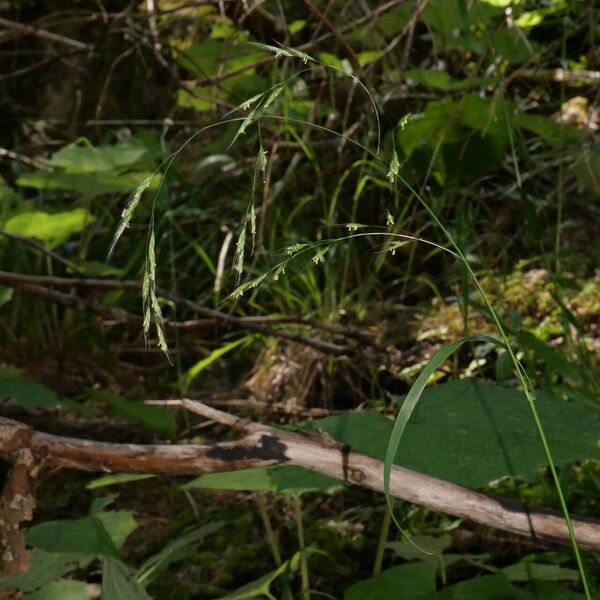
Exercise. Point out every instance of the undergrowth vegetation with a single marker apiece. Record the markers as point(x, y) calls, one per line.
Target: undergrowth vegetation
point(371, 223)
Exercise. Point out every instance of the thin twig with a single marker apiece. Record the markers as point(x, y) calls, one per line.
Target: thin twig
point(248, 324)
point(44, 34)
point(336, 34)
point(41, 247)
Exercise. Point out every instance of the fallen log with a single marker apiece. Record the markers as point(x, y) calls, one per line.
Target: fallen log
point(263, 445)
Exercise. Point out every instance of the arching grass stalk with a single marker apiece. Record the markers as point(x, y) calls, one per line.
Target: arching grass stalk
point(521, 375)
point(320, 249)
point(263, 101)
point(524, 381)
point(260, 103)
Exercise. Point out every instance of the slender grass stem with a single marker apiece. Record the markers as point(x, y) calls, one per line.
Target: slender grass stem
point(523, 380)
point(383, 536)
point(302, 548)
point(262, 511)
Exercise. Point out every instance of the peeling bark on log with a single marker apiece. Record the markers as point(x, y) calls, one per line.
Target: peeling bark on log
point(16, 506)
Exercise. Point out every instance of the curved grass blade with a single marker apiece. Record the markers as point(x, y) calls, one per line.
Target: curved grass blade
point(409, 405)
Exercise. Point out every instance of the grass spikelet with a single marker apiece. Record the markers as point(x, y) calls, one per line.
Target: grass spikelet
point(275, 93)
point(261, 159)
point(282, 50)
point(242, 128)
point(152, 310)
point(394, 167)
point(238, 258)
point(128, 210)
point(249, 285)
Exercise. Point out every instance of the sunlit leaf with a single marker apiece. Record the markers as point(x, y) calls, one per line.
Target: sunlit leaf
point(52, 228)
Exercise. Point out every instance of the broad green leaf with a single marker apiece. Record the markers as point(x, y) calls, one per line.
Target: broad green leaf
point(512, 44)
point(54, 229)
point(45, 567)
point(208, 58)
point(119, 524)
point(472, 135)
point(223, 30)
point(393, 21)
point(96, 268)
point(397, 583)
point(63, 589)
point(430, 549)
point(89, 185)
point(78, 158)
point(280, 479)
point(182, 546)
point(297, 480)
point(85, 536)
point(435, 546)
point(368, 56)
point(524, 571)
point(118, 583)
point(115, 479)
point(450, 25)
point(549, 130)
point(488, 587)
point(331, 60)
point(154, 417)
point(27, 393)
point(296, 26)
point(32, 394)
point(258, 479)
point(549, 590)
point(473, 432)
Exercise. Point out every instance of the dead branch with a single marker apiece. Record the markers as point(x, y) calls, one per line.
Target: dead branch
point(41, 247)
point(262, 445)
point(35, 284)
point(43, 34)
point(336, 34)
point(568, 76)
